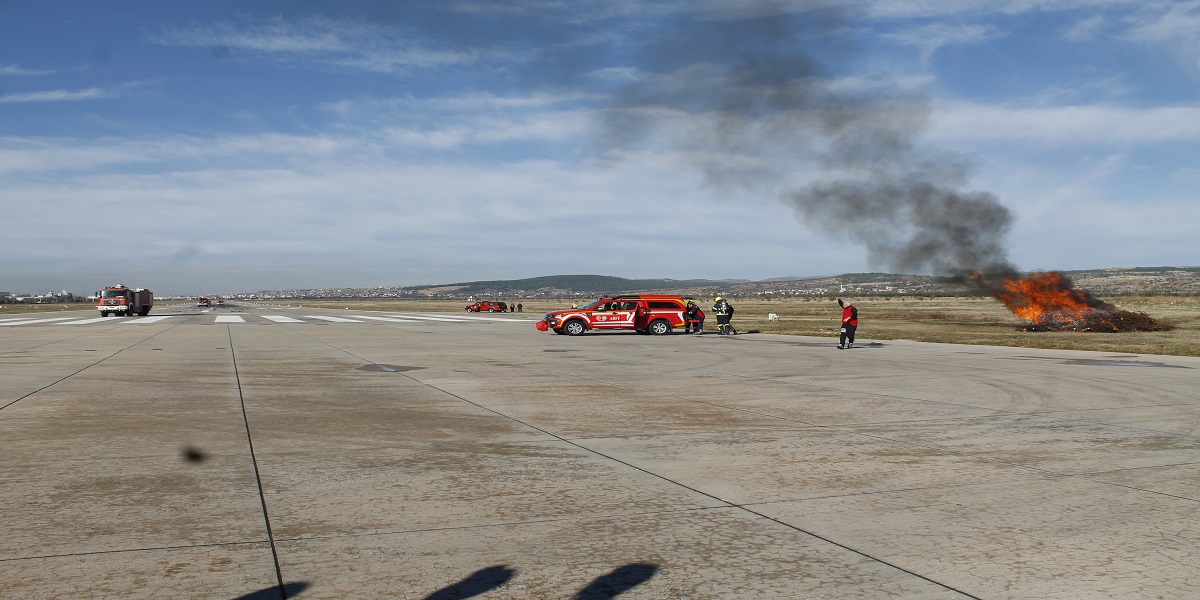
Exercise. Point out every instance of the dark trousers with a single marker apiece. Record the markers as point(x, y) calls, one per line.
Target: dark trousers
point(848, 333)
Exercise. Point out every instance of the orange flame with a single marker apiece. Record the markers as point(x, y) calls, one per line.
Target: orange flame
point(1049, 303)
point(1043, 296)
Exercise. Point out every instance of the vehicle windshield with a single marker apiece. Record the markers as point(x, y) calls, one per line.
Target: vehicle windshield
point(112, 294)
point(593, 305)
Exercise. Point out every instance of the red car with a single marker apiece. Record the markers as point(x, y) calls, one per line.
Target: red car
point(488, 306)
point(655, 314)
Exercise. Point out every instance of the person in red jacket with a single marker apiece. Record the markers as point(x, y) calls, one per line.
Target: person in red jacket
point(849, 324)
point(693, 318)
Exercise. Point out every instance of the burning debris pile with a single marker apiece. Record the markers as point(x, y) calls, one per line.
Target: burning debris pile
point(1049, 303)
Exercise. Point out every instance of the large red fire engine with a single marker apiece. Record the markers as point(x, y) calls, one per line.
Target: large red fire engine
point(120, 300)
point(644, 313)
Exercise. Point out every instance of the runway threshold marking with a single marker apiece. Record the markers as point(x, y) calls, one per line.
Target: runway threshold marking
point(147, 320)
point(429, 318)
point(31, 321)
point(229, 319)
point(86, 321)
point(333, 319)
point(282, 319)
point(467, 319)
point(389, 319)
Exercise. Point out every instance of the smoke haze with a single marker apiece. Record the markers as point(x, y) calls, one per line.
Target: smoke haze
point(751, 97)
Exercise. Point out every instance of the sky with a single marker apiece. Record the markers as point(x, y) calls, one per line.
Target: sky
point(229, 146)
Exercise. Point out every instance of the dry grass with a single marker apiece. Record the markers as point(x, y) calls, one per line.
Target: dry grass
point(19, 309)
point(947, 320)
point(976, 321)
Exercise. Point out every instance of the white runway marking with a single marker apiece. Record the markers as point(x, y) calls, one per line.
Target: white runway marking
point(429, 318)
point(333, 319)
point(282, 319)
point(229, 319)
point(501, 319)
point(146, 320)
point(86, 321)
point(30, 321)
point(390, 319)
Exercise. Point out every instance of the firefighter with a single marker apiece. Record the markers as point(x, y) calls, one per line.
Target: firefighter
point(724, 311)
point(849, 325)
point(693, 318)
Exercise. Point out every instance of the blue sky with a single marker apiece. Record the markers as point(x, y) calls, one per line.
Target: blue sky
point(223, 146)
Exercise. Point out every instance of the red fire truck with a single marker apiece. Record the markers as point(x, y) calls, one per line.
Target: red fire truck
point(203, 303)
point(120, 300)
point(644, 313)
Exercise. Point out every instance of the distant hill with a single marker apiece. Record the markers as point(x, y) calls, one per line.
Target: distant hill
point(551, 284)
point(1120, 280)
point(1112, 281)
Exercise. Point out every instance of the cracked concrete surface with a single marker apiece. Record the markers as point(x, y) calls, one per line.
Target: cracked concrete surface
point(194, 459)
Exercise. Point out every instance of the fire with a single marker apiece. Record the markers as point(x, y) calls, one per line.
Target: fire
point(1049, 302)
point(1042, 296)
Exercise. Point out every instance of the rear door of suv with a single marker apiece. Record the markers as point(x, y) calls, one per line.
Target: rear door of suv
point(671, 310)
point(617, 314)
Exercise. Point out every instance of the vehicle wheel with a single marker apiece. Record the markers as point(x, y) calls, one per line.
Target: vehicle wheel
point(660, 327)
point(574, 327)
point(491, 310)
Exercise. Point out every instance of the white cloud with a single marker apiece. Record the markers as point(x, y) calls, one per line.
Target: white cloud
point(1177, 20)
point(937, 9)
point(322, 42)
point(1174, 25)
point(366, 215)
point(17, 70)
point(928, 38)
point(92, 93)
point(1065, 125)
point(1087, 28)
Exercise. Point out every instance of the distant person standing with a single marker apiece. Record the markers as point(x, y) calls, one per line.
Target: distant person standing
point(724, 311)
point(849, 324)
point(520, 308)
point(693, 318)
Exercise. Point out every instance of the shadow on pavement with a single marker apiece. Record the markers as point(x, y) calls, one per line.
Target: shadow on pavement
point(604, 587)
point(274, 593)
point(475, 584)
point(618, 582)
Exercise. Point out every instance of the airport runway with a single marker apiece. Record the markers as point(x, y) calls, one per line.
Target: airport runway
point(255, 453)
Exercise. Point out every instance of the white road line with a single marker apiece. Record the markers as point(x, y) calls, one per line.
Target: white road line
point(147, 320)
point(229, 319)
point(429, 318)
point(466, 319)
point(390, 319)
point(86, 321)
point(334, 319)
point(282, 319)
point(31, 321)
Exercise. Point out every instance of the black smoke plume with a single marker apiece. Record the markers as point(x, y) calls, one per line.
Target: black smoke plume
point(750, 95)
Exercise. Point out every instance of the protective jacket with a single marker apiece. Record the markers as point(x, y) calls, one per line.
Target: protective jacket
point(850, 316)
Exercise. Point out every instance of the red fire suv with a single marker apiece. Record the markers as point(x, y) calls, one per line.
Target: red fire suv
point(488, 306)
point(642, 313)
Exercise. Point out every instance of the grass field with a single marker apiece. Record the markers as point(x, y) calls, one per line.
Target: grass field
point(947, 320)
